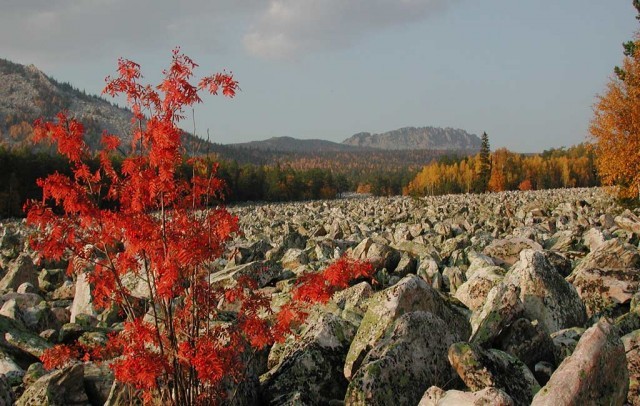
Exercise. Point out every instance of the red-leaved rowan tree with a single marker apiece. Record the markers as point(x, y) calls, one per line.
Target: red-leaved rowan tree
point(141, 220)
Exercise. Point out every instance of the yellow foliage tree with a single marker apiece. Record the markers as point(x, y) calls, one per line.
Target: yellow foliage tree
point(616, 127)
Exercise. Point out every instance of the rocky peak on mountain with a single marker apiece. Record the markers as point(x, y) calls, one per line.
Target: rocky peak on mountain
point(410, 138)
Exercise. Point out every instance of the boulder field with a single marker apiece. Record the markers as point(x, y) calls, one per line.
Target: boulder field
point(511, 298)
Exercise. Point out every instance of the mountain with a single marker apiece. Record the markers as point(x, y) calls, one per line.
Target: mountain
point(289, 144)
point(411, 138)
point(27, 94)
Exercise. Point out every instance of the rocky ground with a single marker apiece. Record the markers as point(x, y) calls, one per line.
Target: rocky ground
point(500, 299)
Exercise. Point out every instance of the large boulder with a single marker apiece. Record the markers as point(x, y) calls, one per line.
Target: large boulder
point(507, 251)
point(628, 221)
point(631, 344)
point(434, 396)
point(501, 308)
point(474, 291)
point(311, 366)
point(545, 294)
point(63, 387)
point(263, 272)
point(528, 342)
point(480, 368)
point(612, 254)
point(399, 368)
point(20, 271)
point(10, 369)
point(606, 291)
point(351, 303)
point(410, 294)
point(82, 301)
point(595, 374)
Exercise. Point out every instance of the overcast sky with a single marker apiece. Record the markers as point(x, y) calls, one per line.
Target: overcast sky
point(526, 72)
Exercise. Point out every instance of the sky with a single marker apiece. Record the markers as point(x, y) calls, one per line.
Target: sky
point(526, 72)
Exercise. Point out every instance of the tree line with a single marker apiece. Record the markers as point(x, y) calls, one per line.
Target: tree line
point(505, 170)
point(21, 168)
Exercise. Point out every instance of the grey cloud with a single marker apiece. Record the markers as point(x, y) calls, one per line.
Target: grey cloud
point(63, 31)
point(290, 27)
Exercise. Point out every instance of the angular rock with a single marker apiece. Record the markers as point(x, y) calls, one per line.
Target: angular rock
point(501, 308)
point(481, 368)
point(528, 342)
point(399, 368)
point(293, 258)
point(606, 291)
point(98, 380)
point(58, 388)
point(546, 296)
point(406, 265)
point(490, 396)
point(20, 271)
point(312, 364)
point(631, 344)
point(408, 295)
point(351, 303)
point(612, 254)
point(565, 342)
point(628, 221)
point(263, 272)
point(10, 369)
point(507, 251)
point(474, 291)
point(453, 278)
point(593, 238)
point(596, 373)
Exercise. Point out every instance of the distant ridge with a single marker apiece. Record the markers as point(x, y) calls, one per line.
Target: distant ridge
point(290, 144)
point(410, 138)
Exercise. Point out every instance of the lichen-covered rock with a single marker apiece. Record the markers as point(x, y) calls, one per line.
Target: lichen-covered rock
point(408, 295)
point(563, 241)
point(263, 272)
point(10, 369)
point(565, 342)
point(293, 258)
point(351, 303)
point(20, 271)
point(33, 373)
point(406, 265)
point(606, 291)
point(453, 278)
point(595, 374)
point(631, 344)
point(501, 308)
point(612, 254)
point(11, 242)
point(593, 238)
point(481, 368)
point(58, 388)
point(428, 269)
point(490, 396)
point(628, 221)
point(312, 364)
point(6, 395)
point(98, 380)
point(546, 296)
point(507, 251)
point(475, 290)
point(400, 367)
point(383, 256)
point(528, 342)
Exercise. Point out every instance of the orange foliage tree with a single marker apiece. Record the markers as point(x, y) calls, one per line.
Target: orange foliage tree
point(616, 126)
point(164, 232)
